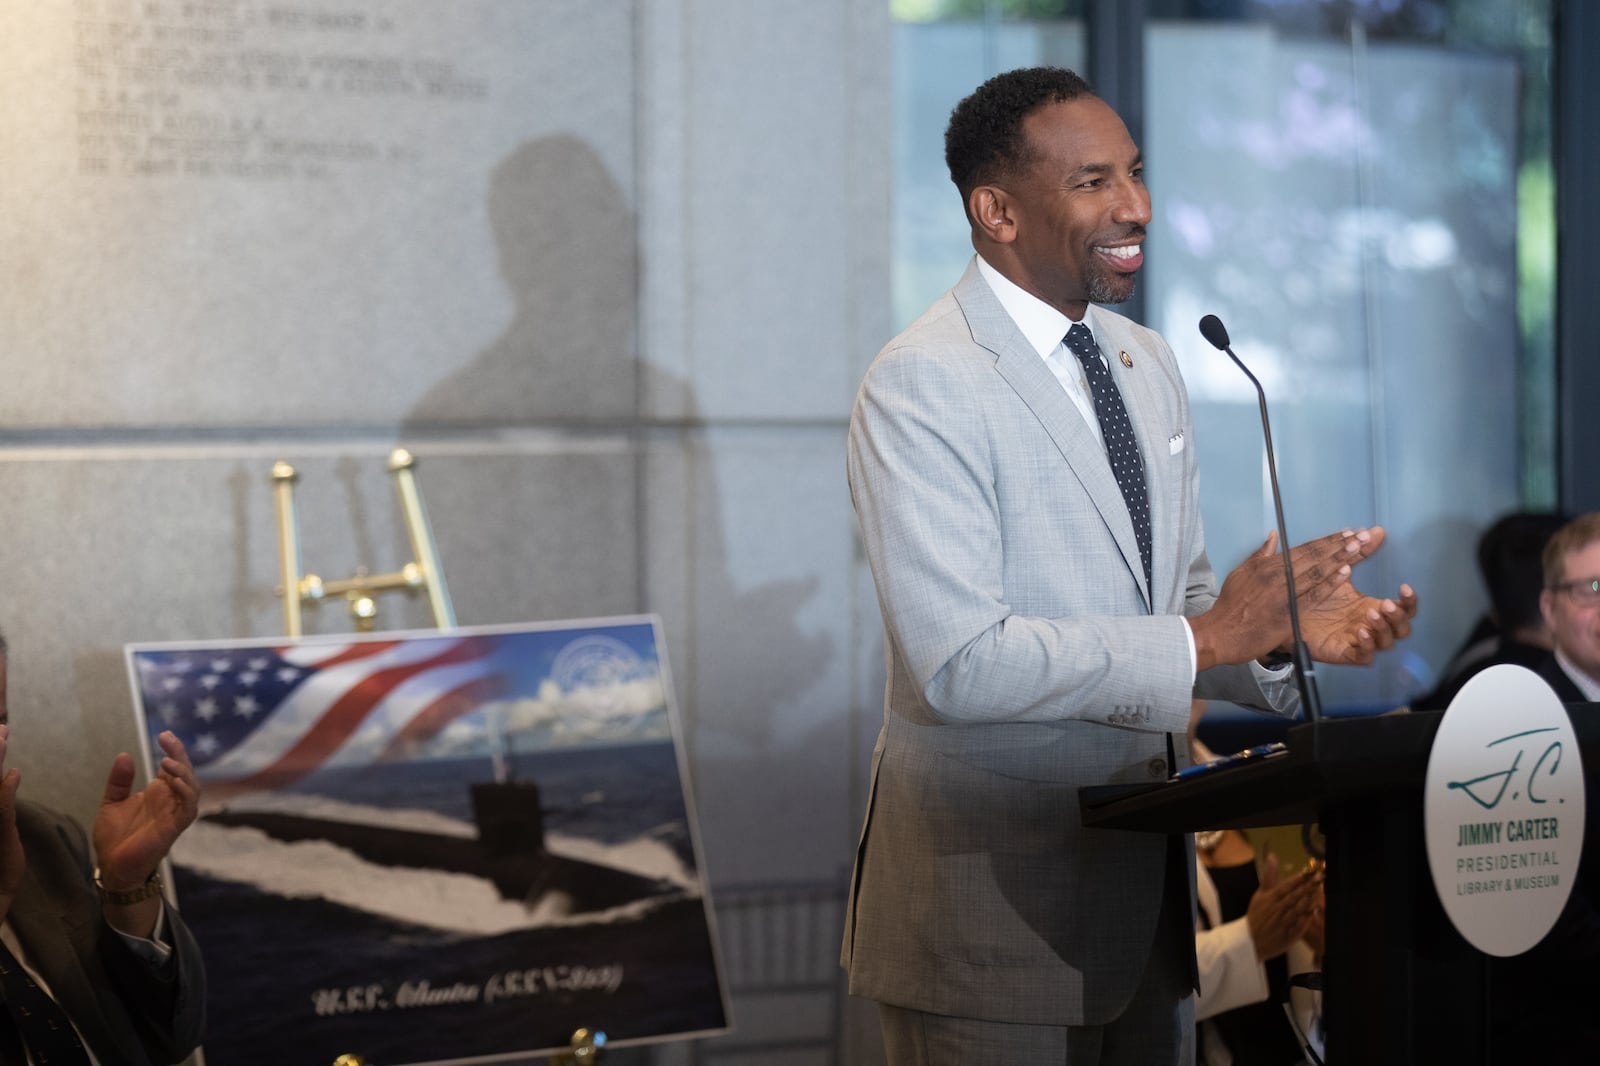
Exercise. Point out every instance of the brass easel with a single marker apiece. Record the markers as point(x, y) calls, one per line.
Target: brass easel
point(424, 572)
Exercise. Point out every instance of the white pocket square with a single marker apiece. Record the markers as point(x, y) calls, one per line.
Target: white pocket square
point(1175, 443)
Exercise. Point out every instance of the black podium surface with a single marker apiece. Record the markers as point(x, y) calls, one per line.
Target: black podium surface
point(1401, 986)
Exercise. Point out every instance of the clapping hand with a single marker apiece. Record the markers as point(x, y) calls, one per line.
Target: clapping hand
point(1282, 911)
point(133, 831)
point(1342, 625)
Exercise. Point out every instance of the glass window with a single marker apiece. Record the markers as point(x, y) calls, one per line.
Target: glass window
point(1355, 189)
point(943, 49)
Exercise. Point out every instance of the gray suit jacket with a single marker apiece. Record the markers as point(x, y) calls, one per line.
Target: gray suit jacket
point(1025, 658)
point(127, 1015)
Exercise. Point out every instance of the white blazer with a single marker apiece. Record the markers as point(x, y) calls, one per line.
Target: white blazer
point(1230, 975)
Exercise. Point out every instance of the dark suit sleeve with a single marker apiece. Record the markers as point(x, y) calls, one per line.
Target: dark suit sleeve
point(165, 1004)
point(121, 1002)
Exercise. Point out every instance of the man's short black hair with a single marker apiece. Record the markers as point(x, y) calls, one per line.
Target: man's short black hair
point(984, 140)
point(1510, 557)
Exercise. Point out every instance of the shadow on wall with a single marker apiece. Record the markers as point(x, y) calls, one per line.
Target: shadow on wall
point(568, 253)
point(568, 250)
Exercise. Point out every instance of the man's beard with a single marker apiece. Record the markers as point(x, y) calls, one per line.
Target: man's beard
point(1109, 287)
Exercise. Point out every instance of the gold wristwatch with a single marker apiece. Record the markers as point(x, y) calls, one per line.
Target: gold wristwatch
point(152, 887)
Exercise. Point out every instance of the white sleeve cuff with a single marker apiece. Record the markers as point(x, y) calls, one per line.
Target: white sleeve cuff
point(1194, 657)
point(155, 951)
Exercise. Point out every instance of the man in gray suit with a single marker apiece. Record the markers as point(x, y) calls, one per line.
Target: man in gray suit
point(1049, 614)
point(99, 941)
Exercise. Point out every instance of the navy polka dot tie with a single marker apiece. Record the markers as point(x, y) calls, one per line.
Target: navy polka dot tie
point(1121, 447)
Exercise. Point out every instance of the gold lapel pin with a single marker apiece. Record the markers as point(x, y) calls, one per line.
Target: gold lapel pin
point(1127, 360)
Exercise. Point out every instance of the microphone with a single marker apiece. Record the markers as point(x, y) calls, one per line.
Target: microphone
point(1212, 329)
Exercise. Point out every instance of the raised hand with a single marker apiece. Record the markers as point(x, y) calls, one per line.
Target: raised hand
point(1340, 624)
point(1343, 625)
point(1250, 617)
point(1281, 911)
point(133, 831)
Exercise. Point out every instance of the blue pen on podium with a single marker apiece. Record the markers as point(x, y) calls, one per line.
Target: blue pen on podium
point(1238, 758)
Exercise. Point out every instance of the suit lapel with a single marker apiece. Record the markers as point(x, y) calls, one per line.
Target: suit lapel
point(1039, 390)
point(45, 928)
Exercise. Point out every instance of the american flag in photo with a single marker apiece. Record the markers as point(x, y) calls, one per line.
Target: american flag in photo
point(264, 717)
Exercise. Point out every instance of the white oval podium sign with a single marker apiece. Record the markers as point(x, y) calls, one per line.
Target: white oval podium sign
point(1503, 806)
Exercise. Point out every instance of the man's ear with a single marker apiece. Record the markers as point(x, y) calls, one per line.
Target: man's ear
point(993, 213)
point(1546, 603)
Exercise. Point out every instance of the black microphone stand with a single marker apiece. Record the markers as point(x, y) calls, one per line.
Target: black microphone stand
point(1213, 330)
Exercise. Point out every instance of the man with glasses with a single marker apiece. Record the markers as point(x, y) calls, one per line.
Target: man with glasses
point(1538, 1012)
point(1571, 606)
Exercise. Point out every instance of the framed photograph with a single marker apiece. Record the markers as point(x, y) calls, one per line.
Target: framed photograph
point(437, 847)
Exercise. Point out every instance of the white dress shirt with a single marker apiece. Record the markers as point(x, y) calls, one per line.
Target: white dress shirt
point(1586, 684)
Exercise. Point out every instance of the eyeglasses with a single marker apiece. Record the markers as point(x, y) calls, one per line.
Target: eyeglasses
point(1586, 592)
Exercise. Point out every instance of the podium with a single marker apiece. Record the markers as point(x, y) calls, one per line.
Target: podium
point(1400, 985)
